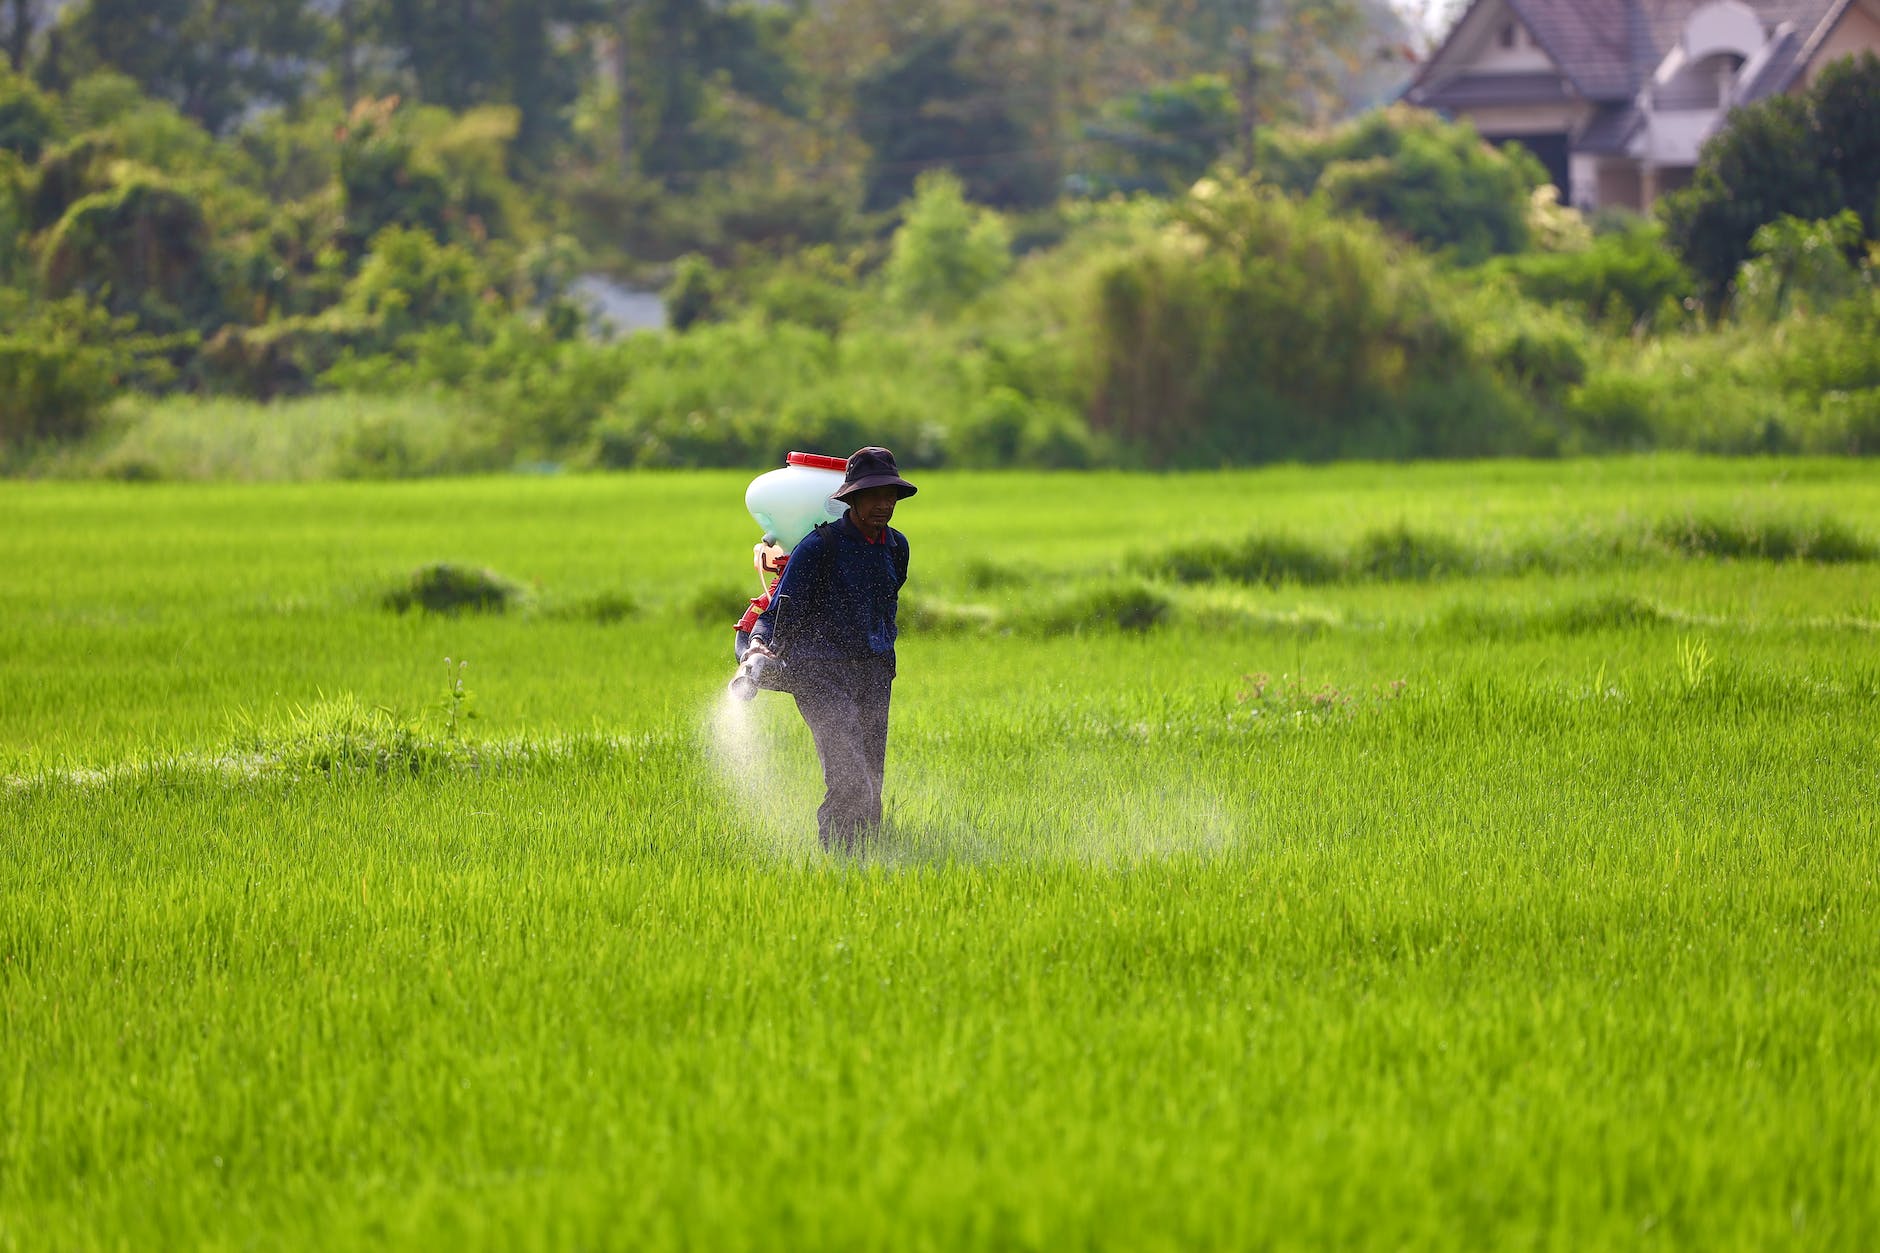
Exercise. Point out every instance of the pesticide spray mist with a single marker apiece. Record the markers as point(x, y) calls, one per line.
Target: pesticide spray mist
point(962, 798)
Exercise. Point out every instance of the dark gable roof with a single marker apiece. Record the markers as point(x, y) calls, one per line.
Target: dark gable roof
point(1611, 129)
point(1473, 90)
point(1608, 48)
point(1588, 39)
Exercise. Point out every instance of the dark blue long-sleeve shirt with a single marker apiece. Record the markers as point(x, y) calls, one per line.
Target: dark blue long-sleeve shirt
point(838, 596)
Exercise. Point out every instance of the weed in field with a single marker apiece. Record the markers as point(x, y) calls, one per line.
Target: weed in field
point(1694, 663)
point(344, 735)
point(456, 698)
point(446, 588)
point(1263, 697)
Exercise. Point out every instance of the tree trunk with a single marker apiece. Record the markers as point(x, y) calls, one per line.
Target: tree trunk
point(19, 34)
point(348, 39)
point(1247, 83)
point(624, 84)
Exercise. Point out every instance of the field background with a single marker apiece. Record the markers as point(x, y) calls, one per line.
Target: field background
point(1520, 893)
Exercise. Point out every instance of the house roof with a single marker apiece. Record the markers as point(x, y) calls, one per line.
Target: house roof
point(1590, 40)
point(1497, 89)
point(1607, 49)
point(1611, 129)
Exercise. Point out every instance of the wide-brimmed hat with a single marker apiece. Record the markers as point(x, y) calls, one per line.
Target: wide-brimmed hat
point(872, 467)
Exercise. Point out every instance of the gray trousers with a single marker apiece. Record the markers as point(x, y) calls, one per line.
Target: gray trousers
point(846, 706)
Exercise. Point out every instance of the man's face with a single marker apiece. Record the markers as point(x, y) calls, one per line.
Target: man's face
point(872, 508)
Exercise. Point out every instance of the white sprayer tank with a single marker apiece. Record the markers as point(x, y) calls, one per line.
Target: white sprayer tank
point(791, 502)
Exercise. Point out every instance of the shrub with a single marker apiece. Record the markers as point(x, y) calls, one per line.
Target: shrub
point(743, 393)
point(947, 251)
point(409, 282)
point(1259, 328)
point(1797, 265)
point(1007, 428)
point(61, 361)
point(27, 121)
point(445, 588)
point(695, 293)
point(1629, 271)
point(142, 250)
point(1435, 181)
point(1159, 140)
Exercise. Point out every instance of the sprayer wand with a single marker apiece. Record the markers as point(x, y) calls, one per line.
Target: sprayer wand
point(761, 661)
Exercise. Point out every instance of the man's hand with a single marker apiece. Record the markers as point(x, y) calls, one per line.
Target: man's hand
point(760, 648)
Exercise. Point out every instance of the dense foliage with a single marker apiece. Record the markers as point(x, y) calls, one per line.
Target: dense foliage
point(1142, 263)
point(1806, 156)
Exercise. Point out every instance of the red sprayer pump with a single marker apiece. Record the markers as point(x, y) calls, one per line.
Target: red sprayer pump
point(789, 504)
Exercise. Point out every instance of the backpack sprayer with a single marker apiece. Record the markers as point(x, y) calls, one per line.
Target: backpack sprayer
point(789, 504)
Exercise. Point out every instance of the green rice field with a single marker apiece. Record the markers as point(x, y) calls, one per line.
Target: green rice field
point(1367, 857)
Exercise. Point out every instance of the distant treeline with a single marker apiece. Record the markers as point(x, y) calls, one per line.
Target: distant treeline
point(989, 236)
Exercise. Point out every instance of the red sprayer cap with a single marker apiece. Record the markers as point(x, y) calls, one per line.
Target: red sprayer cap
point(816, 462)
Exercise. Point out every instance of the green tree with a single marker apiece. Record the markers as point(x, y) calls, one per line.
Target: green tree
point(948, 251)
point(19, 23)
point(212, 59)
point(930, 107)
point(678, 60)
point(27, 120)
point(1807, 156)
point(142, 249)
point(1161, 139)
point(465, 53)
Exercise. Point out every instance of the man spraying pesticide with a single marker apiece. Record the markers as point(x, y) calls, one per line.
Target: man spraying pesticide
point(825, 632)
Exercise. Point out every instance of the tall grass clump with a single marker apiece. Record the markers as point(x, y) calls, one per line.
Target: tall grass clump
point(1259, 558)
point(1826, 541)
point(448, 588)
point(1114, 605)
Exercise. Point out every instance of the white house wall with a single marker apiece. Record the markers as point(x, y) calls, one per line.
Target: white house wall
point(1516, 120)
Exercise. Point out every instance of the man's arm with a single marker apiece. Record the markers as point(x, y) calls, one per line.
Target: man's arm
point(799, 578)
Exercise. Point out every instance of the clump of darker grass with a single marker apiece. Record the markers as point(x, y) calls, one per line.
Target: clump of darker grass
point(1402, 554)
point(1122, 605)
point(938, 617)
point(989, 576)
point(1579, 617)
point(447, 588)
point(719, 604)
point(1825, 540)
point(1390, 554)
point(602, 609)
point(1260, 559)
point(345, 736)
point(1399, 554)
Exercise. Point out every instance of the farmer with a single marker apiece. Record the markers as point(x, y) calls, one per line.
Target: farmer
point(836, 606)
